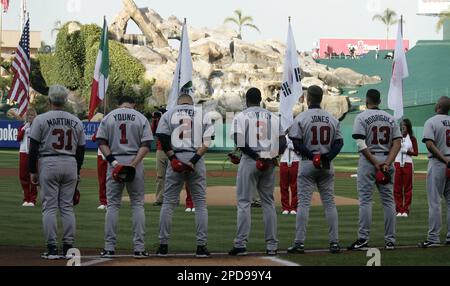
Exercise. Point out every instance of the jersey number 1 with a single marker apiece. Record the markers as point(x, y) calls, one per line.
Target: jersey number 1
point(60, 144)
point(123, 134)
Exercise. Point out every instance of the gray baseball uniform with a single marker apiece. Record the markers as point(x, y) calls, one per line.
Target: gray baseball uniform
point(379, 130)
point(256, 125)
point(437, 129)
point(125, 130)
point(59, 134)
point(318, 129)
point(187, 127)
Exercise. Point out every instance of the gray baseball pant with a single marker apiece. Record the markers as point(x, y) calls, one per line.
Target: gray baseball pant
point(196, 182)
point(365, 185)
point(308, 178)
point(250, 178)
point(58, 179)
point(114, 196)
point(438, 186)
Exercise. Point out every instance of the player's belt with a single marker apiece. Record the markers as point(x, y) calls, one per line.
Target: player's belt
point(55, 155)
point(184, 151)
point(380, 153)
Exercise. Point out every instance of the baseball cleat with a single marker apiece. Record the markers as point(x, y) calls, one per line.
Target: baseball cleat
point(107, 253)
point(163, 250)
point(404, 215)
point(193, 210)
point(141, 254)
point(271, 252)
point(298, 248)
point(51, 254)
point(256, 204)
point(101, 207)
point(157, 204)
point(66, 248)
point(360, 244)
point(25, 204)
point(389, 246)
point(202, 252)
point(188, 210)
point(428, 244)
point(285, 212)
point(399, 214)
point(293, 212)
point(335, 248)
point(238, 251)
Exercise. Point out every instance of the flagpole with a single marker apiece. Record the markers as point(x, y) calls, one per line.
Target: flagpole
point(401, 25)
point(105, 101)
point(1, 30)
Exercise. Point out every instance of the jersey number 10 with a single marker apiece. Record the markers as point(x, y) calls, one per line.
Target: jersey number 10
point(325, 135)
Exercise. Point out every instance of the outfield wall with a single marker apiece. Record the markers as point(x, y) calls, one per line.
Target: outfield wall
point(9, 131)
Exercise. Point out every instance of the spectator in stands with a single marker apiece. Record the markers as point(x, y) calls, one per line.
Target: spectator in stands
point(404, 169)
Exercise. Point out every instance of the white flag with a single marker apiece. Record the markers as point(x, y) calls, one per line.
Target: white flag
point(182, 80)
point(291, 86)
point(399, 73)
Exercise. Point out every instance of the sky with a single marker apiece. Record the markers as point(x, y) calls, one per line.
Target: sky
point(311, 19)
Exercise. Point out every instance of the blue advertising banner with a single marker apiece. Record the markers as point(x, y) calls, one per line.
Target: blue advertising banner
point(10, 129)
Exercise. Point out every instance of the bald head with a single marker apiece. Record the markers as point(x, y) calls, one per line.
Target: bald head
point(443, 105)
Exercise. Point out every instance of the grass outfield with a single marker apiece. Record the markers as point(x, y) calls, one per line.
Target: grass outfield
point(22, 226)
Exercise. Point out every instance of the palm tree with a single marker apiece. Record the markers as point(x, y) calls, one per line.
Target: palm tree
point(444, 16)
point(389, 18)
point(241, 21)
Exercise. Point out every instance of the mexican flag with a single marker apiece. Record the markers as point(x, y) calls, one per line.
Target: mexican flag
point(182, 80)
point(5, 4)
point(101, 73)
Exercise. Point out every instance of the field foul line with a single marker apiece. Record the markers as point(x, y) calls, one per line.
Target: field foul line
point(95, 261)
point(280, 261)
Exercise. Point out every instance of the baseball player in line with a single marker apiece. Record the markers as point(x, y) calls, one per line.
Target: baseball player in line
point(185, 136)
point(57, 139)
point(436, 136)
point(317, 137)
point(378, 139)
point(258, 134)
point(124, 137)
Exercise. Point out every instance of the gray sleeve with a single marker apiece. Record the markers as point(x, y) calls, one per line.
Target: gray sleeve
point(296, 130)
point(147, 132)
point(359, 127)
point(102, 131)
point(428, 131)
point(35, 132)
point(396, 134)
point(164, 125)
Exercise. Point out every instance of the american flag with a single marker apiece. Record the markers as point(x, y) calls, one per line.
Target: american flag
point(21, 68)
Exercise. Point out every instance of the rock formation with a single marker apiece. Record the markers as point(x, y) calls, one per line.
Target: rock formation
point(225, 67)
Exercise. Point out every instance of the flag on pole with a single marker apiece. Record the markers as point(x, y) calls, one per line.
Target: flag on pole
point(182, 80)
point(291, 86)
point(399, 73)
point(5, 4)
point(101, 73)
point(21, 67)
